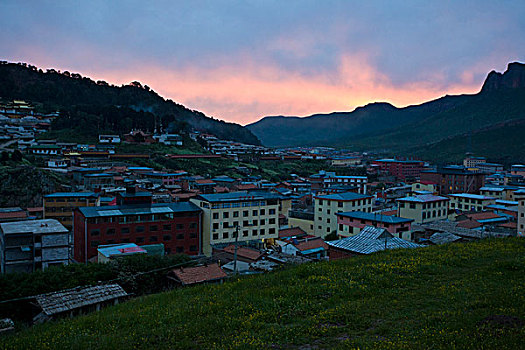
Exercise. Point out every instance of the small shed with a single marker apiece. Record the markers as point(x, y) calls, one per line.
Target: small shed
point(200, 274)
point(75, 301)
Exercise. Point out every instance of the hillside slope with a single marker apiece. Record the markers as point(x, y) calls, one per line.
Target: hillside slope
point(382, 126)
point(466, 296)
point(64, 90)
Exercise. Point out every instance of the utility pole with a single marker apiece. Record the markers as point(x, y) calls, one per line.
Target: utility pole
point(235, 251)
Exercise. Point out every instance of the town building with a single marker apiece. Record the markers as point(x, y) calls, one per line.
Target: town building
point(27, 246)
point(188, 276)
point(12, 214)
point(326, 207)
point(109, 139)
point(46, 150)
point(521, 212)
point(424, 186)
point(324, 180)
point(254, 215)
point(351, 223)
point(423, 208)
point(98, 181)
point(403, 170)
point(490, 168)
point(312, 248)
point(470, 202)
point(453, 179)
point(473, 162)
point(60, 205)
point(136, 220)
point(302, 219)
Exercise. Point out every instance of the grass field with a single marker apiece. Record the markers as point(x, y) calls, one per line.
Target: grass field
point(467, 296)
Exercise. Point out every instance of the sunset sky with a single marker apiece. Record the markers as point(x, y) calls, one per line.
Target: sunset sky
point(242, 60)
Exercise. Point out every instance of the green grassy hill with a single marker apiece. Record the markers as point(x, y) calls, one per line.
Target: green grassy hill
point(453, 296)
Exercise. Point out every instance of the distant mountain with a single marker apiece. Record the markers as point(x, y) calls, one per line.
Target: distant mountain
point(77, 95)
point(383, 126)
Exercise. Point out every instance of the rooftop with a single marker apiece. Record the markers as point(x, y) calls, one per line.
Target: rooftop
point(33, 226)
point(70, 194)
point(345, 196)
point(424, 198)
point(157, 208)
point(374, 217)
point(233, 196)
point(470, 195)
point(199, 274)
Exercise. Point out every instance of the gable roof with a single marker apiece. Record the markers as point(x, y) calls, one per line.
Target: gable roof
point(290, 232)
point(199, 274)
point(371, 240)
point(345, 196)
point(311, 244)
point(244, 252)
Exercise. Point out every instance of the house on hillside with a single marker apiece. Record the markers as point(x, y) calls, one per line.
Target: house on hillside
point(187, 276)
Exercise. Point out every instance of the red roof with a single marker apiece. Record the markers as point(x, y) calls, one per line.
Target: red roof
point(35, 209)
point(199, 274)
point(483, 215)
point(509, 225)
point(311, 244)
point(247, 187)
point(289, 232)
point(244, 252)
point(469, 224)
point(13, 215)
point(389, 213)
point(220, 189)
point(205, 181)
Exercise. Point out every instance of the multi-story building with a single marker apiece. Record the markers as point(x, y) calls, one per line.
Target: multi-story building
point(136, 220)
point(520, 197)
point(490, 168)
point(472, 162)
point(302, 219)
point(424, 186)
point(351, 223)
point(60, 205)
point(454, 179)
point(401, 169)
point(326, 207)
point(324, 180)
point(470, 202)
point(254, 215)
point(423, 208)
point(26, 246)
point(98, 181)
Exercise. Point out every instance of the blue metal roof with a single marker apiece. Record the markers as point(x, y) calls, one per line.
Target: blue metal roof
point(345, 196)
point(157, 208)
point(70, 194)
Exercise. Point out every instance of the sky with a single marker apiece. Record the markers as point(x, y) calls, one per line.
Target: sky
point(242, 60)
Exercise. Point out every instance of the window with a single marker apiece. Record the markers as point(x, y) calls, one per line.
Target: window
point(235, 214)
point(262, 231)
point(166, 227)
point(262, 222)
point(139, 229)
point(215, 225)
point(215, 215)
point(271, 231)
point(272, 211)
point(245, 233)
point(262, 212)
point(180, 226)
point(179, 249)
point(153, 228)
point(245, 213)
point(340, 227)
point(124, 230)
point(320, 202)
point(339, 204)
point(95, 232)
point(271, 221)
point(166, 238)
point(328, 220)
point(215, 236)
point(225, 235)
point(193, 235)
point(225, 224)
point(254, 232)
point(193, 225)
point(225, 215)
point(328, 211)
point(153, 239)
point(254, 212)
point(139, 240)
point(193, 248)
point(180, 236)
point(110, 231)
point(412, 206)
point(254, 223)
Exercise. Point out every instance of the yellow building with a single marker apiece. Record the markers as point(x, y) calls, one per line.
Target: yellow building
point(469, 202)
point(520, 197)
point(327, 206)
point(423, 208)
point(301, 219)
point(60, 205)
point(424, 186)
point(256, 215)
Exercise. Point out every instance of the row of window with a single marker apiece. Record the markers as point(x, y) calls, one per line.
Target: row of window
point(68, 200)
point(244, 233)
point(140, 229)
point(245, 223)
point(138, 218)
point(432, 214)
point(245, 213)
point(354, 203)
point(234, 205)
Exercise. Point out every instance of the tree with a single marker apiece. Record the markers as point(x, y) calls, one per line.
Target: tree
point(4, 158)
point(17, 156)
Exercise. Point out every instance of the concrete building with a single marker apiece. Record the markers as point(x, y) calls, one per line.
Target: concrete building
point(423, 208)
point(301, 219)
point(453, 179)
point(350, 224)
point(60, 205)
point(401, 169)
point(520, 196)
point(136, 220)
point(472, 162)
point(470, 202)
point(26, 246)
point(98, 181)
point(255, 214)
point(324, 180)
point(326, 207)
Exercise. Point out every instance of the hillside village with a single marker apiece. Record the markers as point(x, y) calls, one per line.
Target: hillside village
point(113, 206)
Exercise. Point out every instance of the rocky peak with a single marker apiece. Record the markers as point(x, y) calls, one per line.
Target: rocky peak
point(512, 78)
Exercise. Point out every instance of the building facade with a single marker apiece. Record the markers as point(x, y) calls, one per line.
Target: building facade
point(470, 202)
point(350, 224)
point(454, 180)
point(136, 220)
point(254, 215)
point(423, 208)
point(27, 246)
point(326, 207)
point(401, 169)
point(60, 205)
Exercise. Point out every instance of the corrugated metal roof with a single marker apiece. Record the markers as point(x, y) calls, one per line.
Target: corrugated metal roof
point(157, 208)
point(371, 240)
point(424, 198)
point(345, 196)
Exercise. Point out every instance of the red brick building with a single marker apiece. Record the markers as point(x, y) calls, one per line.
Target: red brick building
point(455, 180)
point(401, 169)
point(135, 219)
